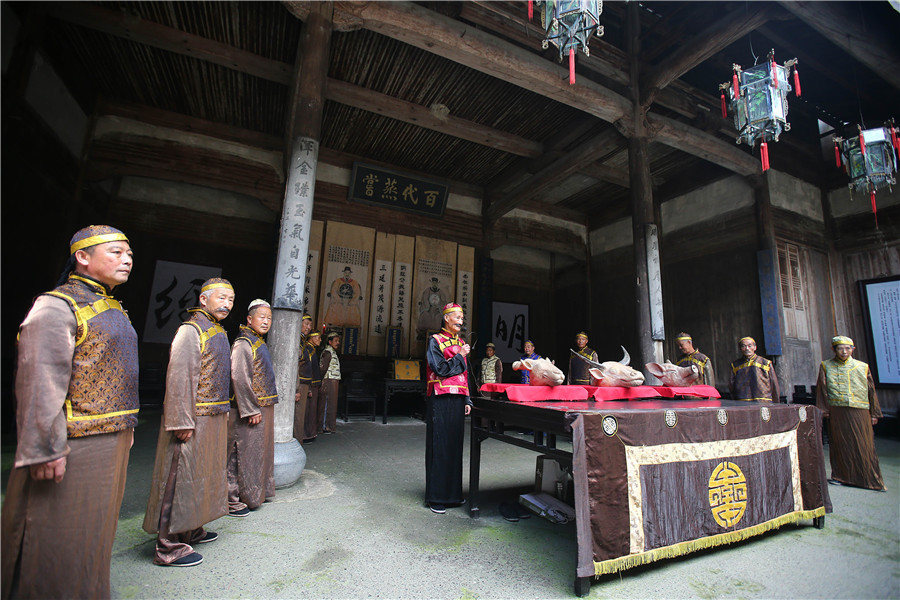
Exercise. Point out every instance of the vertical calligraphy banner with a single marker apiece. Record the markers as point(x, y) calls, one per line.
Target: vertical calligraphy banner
point(313, 264)
point(465, 286)
point(433, 287)
point(654, 282)
point(176, 287)
point(510, 330)
point(296, 216)
point(382, 284)
point(345, 291)
point(401, 298)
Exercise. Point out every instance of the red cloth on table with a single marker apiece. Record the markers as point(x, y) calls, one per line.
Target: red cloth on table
point(517, 392)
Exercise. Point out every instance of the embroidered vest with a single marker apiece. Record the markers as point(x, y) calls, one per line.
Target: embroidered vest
point(455, 384)
point(215, 365)
point(489, 369)
point(695, 358)
point(263, 380)
point(103, 389)
point(580, 374)
point(308, 366)
point(751, 378)
point(847, 383)
point(334, 365)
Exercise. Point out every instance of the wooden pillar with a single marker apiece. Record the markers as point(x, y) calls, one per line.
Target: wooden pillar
point(641, 208)
point(303, 129)
point(771, 301)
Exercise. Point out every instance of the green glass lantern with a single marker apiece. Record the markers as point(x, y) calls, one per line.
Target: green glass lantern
point(569, 25)
point(870, 160)
point(758, 100)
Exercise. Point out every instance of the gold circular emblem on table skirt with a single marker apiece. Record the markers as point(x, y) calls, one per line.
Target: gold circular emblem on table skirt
point(671, 418)
point(802, 412)
point(610, 425)
point(765, 413)
point(727, 494)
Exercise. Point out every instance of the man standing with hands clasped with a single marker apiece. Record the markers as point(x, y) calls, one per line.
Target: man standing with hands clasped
point(76, 409)
point(845, 390)
point(447, 405)
point(189, 486)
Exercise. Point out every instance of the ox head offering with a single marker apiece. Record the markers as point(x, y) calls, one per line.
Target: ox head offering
point(543, 371)
point(673, 375)
point(614, 374)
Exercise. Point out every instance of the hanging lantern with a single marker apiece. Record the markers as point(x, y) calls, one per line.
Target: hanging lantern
point(569, 25)
point(758, 99)
point(870, 160)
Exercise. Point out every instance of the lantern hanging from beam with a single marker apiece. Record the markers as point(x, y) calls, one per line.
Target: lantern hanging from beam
point(569, 25)
point(870, 159)
point(758, 99)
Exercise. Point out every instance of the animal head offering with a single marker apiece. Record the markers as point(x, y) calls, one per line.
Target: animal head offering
point(673, 375)
point(613, 374)
point(543, 371)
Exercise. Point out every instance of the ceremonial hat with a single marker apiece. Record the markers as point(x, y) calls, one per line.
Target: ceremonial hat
point(306, 318)
point(839, 340)
point(347, 268)
point(216, 282)
point(746, 338)
point(93, 235)
point(581, 334)
point(528, 342)
point(313, 334)
point(453, 306)
point(332, 334)
point(258, 302)
point(490, 345)
point(684, 336)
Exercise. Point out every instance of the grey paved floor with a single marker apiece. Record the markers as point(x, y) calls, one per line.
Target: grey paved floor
point(355, 527)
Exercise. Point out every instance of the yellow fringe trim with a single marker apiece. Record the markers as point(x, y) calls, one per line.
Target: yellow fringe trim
point(633, 560)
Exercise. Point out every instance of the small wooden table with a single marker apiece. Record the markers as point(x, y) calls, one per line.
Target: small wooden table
point(398, 386)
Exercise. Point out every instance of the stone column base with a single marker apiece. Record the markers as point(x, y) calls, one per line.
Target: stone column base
point(290, 460)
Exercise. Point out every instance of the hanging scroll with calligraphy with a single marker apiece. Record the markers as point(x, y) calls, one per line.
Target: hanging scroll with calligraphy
point(317, 231)
point(433, 287)
point(401, 297)
point(465, 279)
point(176, 288)
point(376, 185)
point(379, 314)
point(344, 297)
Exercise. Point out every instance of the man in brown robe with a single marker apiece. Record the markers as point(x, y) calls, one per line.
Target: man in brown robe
point(845, 391)
point(753, 377)
point(251, 420)
point(189, 486)
point(77, 402)
point(330, 368)
point(308, 383)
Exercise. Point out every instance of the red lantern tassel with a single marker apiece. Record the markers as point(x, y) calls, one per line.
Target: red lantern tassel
point(571, 66)
point(736, 86)
point(837, 156)
point(874, 208)
point(530, 10)
point(862, 144)
point(796, 81)
point(764, 156)
point(724, 109)
point(774, 74)
point(894, 140)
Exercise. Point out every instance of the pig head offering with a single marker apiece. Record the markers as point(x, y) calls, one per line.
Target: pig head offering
point(614, 374)
point(673, 375)
point(543, 371)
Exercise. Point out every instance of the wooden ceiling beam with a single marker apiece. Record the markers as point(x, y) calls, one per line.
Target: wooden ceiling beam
point(713, 38)
point(872, 45)
point(563, 167)
point(174, 40)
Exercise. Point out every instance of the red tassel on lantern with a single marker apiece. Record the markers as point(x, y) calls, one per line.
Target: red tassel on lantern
point(774, 74)
point(837, 156)
point(764, 156)
point(894, 140)
point(530, 10)
point(724, 110)
point(874, 208)
point(862, 144)
point(796, 81)
point(735, 85)
point(571, 66)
